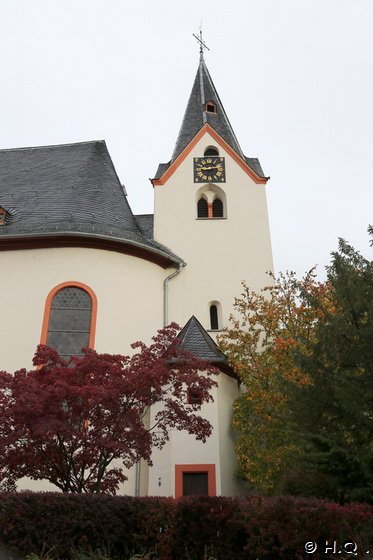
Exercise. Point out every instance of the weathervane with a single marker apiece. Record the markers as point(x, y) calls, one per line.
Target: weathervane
point(202, 45)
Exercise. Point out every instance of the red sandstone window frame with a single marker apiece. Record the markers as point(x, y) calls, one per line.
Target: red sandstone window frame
point(48, 305)
point(203, 468)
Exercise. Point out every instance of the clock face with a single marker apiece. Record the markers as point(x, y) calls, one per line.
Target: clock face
point(209, 169)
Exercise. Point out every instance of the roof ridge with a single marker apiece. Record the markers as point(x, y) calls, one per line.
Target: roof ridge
point(222, 106)
point(45, 146)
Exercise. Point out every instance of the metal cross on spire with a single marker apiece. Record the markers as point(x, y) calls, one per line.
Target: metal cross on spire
point(202, 44)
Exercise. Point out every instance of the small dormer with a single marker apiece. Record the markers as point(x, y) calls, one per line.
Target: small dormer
point(3, 216)
point(210, 108)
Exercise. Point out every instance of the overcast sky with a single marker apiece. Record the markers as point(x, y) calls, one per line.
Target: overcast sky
point(295, 78)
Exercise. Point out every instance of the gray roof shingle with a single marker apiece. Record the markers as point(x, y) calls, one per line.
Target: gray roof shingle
point(145, 223)
point(68, 189)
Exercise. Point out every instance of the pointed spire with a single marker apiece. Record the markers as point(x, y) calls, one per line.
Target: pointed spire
point(204, 106)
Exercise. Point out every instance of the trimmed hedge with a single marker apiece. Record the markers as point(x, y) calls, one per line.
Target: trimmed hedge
point(195, 528)
point(64, 523)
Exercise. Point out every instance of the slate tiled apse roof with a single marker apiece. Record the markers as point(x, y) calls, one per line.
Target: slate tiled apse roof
point(68, 189)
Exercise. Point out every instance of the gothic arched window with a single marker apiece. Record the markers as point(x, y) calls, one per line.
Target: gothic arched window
point(69, 319)
point(217, 208)
point(202, 208)
point(211, 202)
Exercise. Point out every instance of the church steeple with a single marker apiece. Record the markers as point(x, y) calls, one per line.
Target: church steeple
point(204, 106)
point(210, 207)
point(205, 111)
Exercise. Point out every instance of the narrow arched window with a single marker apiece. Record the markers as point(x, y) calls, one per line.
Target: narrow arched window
point(214, 319)
point(217, 208)
point(69, 321)
point(202, 208)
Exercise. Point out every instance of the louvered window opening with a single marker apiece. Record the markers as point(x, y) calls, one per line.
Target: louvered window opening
point(217, 208)
point(202, 208)
point(70, 321)
point(210, 107)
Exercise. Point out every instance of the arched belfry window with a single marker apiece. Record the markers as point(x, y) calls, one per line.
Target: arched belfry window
point(69, 319)
point(211, 202)
point(217, 208)
point(202, 208)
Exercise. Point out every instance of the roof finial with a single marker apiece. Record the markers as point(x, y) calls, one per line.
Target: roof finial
point(202, 45)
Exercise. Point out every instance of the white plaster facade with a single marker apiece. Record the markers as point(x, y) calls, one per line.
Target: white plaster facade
point(127, 290)
point(220, 253)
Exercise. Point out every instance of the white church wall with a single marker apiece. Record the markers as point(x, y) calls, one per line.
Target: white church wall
point(128, 290)
point(228, 392)
point(184, 449)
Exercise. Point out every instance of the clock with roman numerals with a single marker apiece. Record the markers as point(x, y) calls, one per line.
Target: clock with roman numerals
point(209, 169)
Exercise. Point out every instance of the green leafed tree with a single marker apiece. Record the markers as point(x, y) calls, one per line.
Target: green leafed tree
point(333, 413)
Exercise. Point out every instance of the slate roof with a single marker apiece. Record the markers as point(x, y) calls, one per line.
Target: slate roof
point(254, 163)
point(145, 223)
point(196, 116)
point(194, 338)
point(69, 189)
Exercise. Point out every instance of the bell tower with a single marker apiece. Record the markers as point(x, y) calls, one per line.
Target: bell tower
point(210, 209)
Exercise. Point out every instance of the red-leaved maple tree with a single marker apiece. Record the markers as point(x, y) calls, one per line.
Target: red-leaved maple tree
point(81, 423)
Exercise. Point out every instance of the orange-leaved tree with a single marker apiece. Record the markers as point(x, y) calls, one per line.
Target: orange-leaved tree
point(264, 332)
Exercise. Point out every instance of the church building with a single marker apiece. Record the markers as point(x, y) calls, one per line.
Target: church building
point(80, 269)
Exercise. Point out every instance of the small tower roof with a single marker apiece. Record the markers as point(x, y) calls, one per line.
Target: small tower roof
point(196, 115)
point(194, 338)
